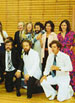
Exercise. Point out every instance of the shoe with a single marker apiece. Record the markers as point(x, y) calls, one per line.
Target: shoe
point(52, 97)
point(18, 94)
point(29, 97)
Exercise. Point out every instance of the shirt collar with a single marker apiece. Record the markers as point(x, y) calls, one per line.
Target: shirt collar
point(58, 54)
point(28, 52)
point(8, 52)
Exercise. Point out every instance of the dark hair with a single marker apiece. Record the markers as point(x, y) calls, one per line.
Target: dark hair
point(68, 25)
point(28, 41)
point(39, 24)
point(52, 25)
point(55, 42)
point(8, 40)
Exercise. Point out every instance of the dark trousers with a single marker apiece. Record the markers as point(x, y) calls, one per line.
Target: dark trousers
point(32, 87)
point(9, 83)
point(44, 61)
point(1, 77)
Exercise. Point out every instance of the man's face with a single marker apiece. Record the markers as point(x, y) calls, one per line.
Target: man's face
point(37, 29)
point(26, 46)
point(8, 46)
point(55, 49)
point(20, 27)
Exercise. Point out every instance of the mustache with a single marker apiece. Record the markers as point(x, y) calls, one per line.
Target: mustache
point(8, 48)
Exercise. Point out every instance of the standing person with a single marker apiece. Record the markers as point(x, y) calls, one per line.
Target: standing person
point(12, 65)
point(29, 31)
point(56, 72)
point(38, 27)
point(66, 38)
point(19, 36)
point(47, 38)
point(32, 71)
point(3, 35)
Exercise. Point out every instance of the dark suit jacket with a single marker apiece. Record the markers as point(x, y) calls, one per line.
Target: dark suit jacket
point(16, 60)
point(17, 42)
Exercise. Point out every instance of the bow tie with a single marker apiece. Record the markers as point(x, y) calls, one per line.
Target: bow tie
point(26, 53)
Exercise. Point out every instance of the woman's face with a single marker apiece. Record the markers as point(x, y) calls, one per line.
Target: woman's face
point(64, 27)
point(29, 27)
point(48, 27)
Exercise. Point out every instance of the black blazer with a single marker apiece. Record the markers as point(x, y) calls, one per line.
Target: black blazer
point(16, 60)
point(17, 42)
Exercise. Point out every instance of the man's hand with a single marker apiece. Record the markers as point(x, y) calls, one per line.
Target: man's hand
point(4, 73)
point(53, 67)
point(26, 77)
point(44, 77)
point(39, 36)
point(18, 74)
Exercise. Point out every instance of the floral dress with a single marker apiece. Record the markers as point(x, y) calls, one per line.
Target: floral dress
point(67, 42)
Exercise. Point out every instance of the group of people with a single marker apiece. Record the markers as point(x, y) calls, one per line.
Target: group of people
point(43, 58)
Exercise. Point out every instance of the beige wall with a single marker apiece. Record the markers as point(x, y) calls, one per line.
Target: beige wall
point(13, 11)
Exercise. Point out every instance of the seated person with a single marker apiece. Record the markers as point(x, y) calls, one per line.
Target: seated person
point(32, 71)
point(12, 66)
point(56, 72)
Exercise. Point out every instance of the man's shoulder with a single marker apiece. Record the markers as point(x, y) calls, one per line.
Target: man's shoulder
point(17, 32)
point(14, 50)
point(2, 53)
point(63, 54)
point(33, 51)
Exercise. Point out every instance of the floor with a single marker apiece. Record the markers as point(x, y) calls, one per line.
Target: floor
point(37, 98)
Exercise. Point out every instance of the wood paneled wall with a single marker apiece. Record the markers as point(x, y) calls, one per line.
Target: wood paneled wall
point(13, 11)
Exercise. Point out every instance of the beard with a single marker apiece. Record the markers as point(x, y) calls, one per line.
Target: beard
point(37, 31)
point(26, 51)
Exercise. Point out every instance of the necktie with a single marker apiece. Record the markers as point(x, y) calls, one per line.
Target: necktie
point(9, 61)
point(53, 72)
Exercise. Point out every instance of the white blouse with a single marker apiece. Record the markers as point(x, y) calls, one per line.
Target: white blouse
point(5, 35)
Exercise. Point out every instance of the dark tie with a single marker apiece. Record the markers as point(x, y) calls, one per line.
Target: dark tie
point(26, 53)
point(53, 72)
point(9, 61)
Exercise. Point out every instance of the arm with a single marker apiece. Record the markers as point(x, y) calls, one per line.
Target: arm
point(67, 64)
point(35, 65)
point(20, 62)
point(48, 66)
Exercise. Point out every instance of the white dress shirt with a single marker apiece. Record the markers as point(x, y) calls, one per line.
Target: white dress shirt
point(5, 35)
point(62, 61)
point(32, 64)
point(6, 62)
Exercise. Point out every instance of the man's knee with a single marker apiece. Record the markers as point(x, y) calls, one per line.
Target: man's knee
point(44, 82)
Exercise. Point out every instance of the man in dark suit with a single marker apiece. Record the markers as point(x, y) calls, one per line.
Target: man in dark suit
point(19, 35)
point(12, 66)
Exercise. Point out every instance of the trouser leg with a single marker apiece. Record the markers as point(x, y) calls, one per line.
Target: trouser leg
point(30, 85)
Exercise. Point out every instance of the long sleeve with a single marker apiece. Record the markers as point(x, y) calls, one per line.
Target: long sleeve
point(32, 64)
point(67, 64)
point(5, 34)
point(21, 64)
point(48, 65)
point(35, 65)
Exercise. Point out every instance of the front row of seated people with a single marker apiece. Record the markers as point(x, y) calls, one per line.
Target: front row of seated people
point(56, 72)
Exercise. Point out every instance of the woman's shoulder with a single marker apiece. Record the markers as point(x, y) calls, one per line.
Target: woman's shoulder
point(53, 33)
point(72, 32)
point(5, 33)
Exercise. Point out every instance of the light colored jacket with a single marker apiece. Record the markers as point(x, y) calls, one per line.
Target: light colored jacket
point(52, 36)
point(32, 64)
